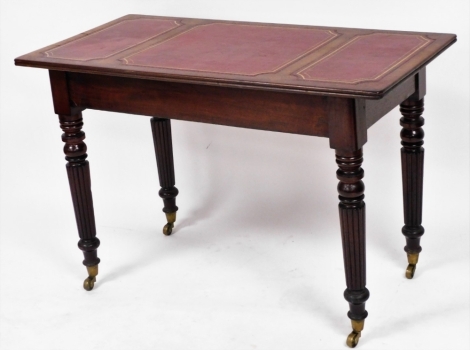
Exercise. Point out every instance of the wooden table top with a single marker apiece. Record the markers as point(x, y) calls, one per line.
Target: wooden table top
point(320, 60)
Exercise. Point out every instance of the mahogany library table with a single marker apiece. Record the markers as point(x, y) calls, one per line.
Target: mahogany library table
point(318, 81)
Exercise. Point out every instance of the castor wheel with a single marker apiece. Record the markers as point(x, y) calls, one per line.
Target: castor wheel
point(410, 271)
point(353, 339)
point(412, 261)
point(89, 282)
point(168, 229)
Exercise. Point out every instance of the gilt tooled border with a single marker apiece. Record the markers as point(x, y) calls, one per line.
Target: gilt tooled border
point(128, 61)
point(392, 66)
point(50, 54)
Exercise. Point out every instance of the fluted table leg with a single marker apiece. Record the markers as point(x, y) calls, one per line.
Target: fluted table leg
point(161, 131)
point(78, 172)
point(352, 214)
point(412, 161)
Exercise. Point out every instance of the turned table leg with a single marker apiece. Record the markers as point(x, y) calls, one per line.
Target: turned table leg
point(161, 131)
point(78, 172)
point(412, 159)
point(352, 215)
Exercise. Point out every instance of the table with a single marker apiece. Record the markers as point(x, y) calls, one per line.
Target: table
point(318, 81)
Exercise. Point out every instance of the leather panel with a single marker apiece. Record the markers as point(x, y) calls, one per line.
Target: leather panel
point(113, 39)
point(232, 48)
point(365, 58)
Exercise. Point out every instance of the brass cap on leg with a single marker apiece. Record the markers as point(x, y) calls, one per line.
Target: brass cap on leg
point(168, 228)
point(171, 217)
point(412, 261)
point(89, 282)
point(92, 270)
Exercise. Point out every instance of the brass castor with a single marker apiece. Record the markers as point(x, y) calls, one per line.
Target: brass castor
point(410, 271)
point(412, 261)
point(168, 228)
point(89, 282)
point(353, 337)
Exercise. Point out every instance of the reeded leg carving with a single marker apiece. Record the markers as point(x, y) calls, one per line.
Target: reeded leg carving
point(161, 131)
point(412, 160)
point(78, 172)
point(352, 215)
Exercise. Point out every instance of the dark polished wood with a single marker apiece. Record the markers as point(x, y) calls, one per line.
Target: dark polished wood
point(352, 215)
point(78, 172)
point(317, 81)
point(264, 110)
point(78, 169)
point(412, 161)
point(161, 131)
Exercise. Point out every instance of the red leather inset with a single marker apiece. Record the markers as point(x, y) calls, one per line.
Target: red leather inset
point(112, 40)
point(366, 57)
point(232, 48)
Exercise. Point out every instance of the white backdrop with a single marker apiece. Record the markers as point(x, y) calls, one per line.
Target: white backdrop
point(255, 261)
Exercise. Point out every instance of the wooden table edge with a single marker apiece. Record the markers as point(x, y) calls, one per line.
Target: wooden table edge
point(225, 82)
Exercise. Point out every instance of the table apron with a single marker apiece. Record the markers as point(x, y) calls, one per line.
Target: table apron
point(254, 109)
